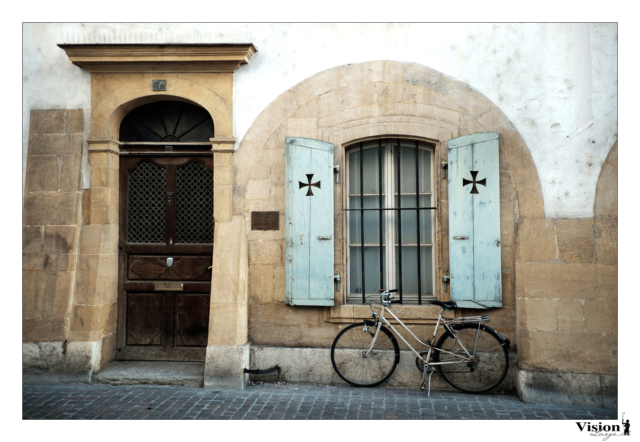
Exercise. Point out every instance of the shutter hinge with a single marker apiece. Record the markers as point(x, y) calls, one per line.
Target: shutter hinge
point(336, 170)
point(444, 166)
point(337, 279)
point(446, 280)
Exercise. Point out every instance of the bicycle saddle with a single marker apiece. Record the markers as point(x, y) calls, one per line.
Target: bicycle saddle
point(445, 305)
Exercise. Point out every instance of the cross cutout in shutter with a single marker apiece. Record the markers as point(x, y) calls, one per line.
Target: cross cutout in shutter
point(309, 184)
point(474, 189)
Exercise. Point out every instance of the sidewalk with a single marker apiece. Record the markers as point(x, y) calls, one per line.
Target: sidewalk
point(273, 401)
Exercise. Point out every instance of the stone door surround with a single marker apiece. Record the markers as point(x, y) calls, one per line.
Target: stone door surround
point(122, 78)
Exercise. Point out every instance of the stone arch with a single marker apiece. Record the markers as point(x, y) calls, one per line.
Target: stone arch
point(368, 100)
point(354, 99)
point(109, 111)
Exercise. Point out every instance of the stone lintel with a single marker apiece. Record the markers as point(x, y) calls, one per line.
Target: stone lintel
point(112, 58)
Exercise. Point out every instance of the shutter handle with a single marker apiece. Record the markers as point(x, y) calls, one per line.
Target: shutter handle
point(301, 237)
point(446, 279)
point(336, 169)
point(324, 238)
point(460, 237)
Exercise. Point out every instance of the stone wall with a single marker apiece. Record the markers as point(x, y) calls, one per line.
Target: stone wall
point(51, 223)
point(566, 272)
point(354, 102)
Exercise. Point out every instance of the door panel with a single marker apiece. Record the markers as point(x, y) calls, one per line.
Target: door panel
point(155, 322)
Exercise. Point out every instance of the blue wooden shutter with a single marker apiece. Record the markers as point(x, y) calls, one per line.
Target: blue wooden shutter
point(309, 222)
point(474, 221)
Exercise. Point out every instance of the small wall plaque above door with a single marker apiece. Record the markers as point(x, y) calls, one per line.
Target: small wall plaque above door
point(168, 286)
point(159, 85)
point(265, 220)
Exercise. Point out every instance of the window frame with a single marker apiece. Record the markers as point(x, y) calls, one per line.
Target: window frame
point(390, 167)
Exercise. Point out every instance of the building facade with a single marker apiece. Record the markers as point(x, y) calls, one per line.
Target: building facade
point(222, 193)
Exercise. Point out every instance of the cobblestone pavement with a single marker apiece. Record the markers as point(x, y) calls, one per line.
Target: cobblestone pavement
point(272, 401)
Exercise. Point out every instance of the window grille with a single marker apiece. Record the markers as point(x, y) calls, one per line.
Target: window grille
point(390, 202)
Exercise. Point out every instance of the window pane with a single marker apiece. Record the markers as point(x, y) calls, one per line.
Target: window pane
point(408, 168)
point(371, 273)
point(371, 221)
point(370, 169)
point(409, 220)
point(410, 271)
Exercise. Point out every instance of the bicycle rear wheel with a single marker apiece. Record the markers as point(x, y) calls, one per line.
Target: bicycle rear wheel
point(489, 366)
point(349, 359)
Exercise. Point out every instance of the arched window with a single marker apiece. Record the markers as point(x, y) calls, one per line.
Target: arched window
point(167, 121)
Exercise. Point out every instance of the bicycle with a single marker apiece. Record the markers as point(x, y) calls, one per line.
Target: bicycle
point(470, 356)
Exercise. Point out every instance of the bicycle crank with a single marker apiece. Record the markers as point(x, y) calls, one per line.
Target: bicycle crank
point(420, 361)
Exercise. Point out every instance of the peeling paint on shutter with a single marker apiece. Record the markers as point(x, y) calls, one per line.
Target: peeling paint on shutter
point(309, 222)
point(474, 221)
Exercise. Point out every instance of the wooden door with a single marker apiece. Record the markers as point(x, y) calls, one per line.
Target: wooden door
point(166, 246)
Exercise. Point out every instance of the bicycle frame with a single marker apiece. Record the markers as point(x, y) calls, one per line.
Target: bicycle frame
point(446, 323)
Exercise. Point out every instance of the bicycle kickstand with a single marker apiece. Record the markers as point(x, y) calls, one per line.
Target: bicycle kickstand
point(424, 378)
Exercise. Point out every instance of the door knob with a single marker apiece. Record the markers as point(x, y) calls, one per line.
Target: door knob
point(169, 262)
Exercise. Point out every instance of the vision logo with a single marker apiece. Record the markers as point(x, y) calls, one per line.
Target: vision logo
point(606, 431)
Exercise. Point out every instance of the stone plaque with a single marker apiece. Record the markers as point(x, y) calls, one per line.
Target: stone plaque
point(159, 85)
point(265, 220)
point(168, 286)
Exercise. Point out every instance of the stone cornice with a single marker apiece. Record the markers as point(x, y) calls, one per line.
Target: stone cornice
point(113, 58)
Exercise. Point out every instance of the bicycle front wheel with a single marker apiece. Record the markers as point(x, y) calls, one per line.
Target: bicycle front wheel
point(489, 365)
point(352, 362)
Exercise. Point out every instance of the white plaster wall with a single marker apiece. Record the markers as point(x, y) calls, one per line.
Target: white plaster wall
point(526, 69)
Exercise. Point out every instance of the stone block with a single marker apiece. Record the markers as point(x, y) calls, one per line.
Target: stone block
point(55, 144)
point(223, 200)
point(32, 237)
point(33, 263)
point(224, 367)
point(228, 323)
point(96, 279)
point(373, 71)
point(104, 206)
point(601, 316)
point(286, 336)
point(279, 284)
point(302, 127)
point(47, 121)
point(507, 223)
point(82, 359)
point(260, 168)
point(109, 347)
point(63, 263)
point(43, 174)
point(606, 235)
point(309, 110)
point(229, 273)
point(576, 352)
point(576, 389)
point(64, 294)
point(60, 240)
point(261, 283)
point(238, 201)
point(222, 159)
point(322, 336)
point(43, 357)
point(266, 252)
point(575, 240)
point(277, 166)
point(570, 315)
point(74, 121)
point(56, 209)
point(87, 318)
point(507, 256)
point(258, 189)
point(285, 315)
point(537, 314)
point(507, 191)
point(562, 281)
point(44, 329)
point(98, 239)
point(38, 291)
point(392, 72)
point(70, 172)
point(340, 100)
point(536, 240)
point(508, 289)
point(606, 281)
point(277, 139)
point(222, 176)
